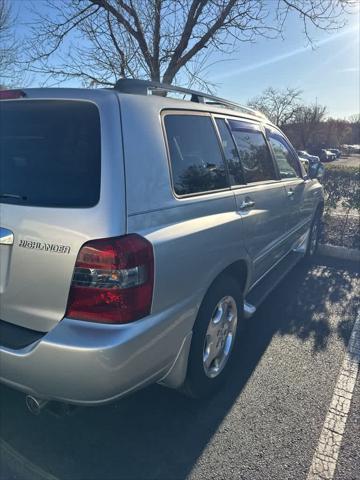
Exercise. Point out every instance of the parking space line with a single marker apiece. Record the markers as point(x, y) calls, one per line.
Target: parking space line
point(327, 451)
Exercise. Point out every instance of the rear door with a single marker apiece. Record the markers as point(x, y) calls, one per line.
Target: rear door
point(61, 170)
point(260, 196)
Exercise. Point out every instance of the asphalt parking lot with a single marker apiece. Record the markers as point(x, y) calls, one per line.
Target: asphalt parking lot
point(265, 424)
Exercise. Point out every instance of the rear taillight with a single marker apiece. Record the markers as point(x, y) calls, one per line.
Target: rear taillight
point(113, 280)
point(11, 94)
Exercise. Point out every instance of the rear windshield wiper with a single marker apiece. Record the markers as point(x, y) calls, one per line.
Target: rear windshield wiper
point(13, 195)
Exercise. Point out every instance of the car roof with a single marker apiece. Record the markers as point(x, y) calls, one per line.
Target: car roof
point(156, 100)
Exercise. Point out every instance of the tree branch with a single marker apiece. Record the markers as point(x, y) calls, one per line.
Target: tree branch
point(137, 34)
point(157, 39)
point(177, 62)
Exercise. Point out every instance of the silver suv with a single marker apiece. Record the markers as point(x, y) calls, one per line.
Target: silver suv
point(138, 232)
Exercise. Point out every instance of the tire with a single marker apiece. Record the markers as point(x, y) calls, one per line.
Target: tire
point(204, 376)
point(313, 236)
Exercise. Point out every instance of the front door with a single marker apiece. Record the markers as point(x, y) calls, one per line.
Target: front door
point(295, 185)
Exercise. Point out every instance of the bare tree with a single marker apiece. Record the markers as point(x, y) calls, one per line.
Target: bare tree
point(100, 41)
point(280, 106)
point(335, 132)
point(305, 129)
point(355, 118)
point(355, 129)
point(9, 50)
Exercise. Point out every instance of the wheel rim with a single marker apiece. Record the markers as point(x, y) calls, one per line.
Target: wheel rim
point(220, 336)
point(314, 238)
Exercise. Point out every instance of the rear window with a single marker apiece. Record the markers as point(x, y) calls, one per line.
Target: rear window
point(49, 153)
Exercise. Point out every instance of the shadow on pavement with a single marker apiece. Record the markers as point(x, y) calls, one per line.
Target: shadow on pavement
point(157, 433)
point(317, 292)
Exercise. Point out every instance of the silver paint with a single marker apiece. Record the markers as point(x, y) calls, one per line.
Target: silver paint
point(194, 239)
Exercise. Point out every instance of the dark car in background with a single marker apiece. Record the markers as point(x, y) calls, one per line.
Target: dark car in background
point(323, 154)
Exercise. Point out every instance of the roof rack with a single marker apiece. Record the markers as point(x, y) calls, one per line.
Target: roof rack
point(145, 87)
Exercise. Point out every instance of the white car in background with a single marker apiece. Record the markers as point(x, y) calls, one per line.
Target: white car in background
point(305, 155)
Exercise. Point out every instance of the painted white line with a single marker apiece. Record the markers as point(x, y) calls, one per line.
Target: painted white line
point(327, 451)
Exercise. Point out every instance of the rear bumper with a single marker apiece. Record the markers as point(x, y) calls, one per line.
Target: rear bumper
point(87, 363)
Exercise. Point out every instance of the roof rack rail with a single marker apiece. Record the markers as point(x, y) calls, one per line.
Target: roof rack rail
point(144, 87)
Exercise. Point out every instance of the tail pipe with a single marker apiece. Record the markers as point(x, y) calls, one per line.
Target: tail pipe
point(35, 405)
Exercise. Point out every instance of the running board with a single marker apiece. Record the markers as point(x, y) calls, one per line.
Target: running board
point(262, 289)
point(249, 310)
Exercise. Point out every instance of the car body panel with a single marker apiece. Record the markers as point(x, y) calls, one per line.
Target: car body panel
point(88, 363)
point(39, 266)
point(264, 225)
point(194, 238)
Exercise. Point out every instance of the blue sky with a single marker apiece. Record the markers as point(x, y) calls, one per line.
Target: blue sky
point(327, 73)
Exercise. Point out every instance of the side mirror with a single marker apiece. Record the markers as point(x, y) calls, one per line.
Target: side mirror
point(316, 170)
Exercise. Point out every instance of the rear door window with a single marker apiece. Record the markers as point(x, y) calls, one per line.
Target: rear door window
point(49, 153)
point(196, 159)
point(254, 153)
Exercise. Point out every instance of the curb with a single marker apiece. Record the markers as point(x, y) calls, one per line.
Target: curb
point(339, 252)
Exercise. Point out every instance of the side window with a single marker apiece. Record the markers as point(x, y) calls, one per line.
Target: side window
point(231, 153)
point(288, 166)
point(254, 153)
point(196, 160)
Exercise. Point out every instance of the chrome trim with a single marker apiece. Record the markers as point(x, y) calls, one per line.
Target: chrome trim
point(255, 184)
point(6, 236)
point(246, 204)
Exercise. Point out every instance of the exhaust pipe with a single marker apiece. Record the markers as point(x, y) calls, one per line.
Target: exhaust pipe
point(35, 405)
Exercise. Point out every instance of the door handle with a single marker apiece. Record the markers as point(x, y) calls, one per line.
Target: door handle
point(245, 204)
point(290, 193)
